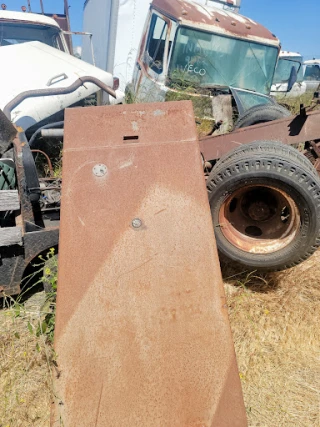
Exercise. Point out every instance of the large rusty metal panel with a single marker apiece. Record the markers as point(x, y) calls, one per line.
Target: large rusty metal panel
point(142, 330)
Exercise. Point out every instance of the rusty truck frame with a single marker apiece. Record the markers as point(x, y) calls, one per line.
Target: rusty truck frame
point(29, 236)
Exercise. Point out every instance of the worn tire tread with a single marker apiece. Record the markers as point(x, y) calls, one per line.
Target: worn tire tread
point(275, 148)
point(285, 163)
point(260, 113)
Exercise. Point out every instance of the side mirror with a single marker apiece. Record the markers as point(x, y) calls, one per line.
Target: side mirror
point(293, 78)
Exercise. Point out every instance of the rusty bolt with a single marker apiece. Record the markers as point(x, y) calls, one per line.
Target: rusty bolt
point(100, 170)
point(136, 223)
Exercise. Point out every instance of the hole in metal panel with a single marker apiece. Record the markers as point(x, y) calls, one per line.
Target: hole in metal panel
point(131, 138)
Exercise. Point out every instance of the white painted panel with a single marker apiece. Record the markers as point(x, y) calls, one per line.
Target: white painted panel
point(115, 41)
point(31, 66)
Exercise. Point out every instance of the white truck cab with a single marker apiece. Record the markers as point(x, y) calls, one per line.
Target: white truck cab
point(312, 75)
point(49, 68)
point(286, 61)
point(20, 27)
point(36, 44)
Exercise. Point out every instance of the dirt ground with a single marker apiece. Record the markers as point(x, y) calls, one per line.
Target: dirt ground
point(275, 322)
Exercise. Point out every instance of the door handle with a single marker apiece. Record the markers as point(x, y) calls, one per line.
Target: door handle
point(57, 79)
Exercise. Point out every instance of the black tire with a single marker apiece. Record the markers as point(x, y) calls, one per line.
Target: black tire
point(273, 147)
point(261, 114)
point(265, 205)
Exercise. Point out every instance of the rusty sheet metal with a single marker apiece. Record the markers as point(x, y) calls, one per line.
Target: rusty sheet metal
point(213, 19)
point(290, 130)
point(142, 332)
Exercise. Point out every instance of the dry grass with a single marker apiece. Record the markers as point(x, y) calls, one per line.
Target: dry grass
point(275, 322)
point(293, 103)
point(25, 380)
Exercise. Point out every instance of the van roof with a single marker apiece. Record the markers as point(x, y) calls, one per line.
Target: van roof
point(213, 19)
point(32, 18)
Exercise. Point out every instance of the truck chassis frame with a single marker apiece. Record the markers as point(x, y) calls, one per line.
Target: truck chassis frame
point(302, 131)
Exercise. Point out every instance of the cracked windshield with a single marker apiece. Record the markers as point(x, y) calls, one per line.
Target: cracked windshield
point(211, 60)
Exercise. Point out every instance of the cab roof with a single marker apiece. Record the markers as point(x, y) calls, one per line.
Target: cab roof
point(312, 62)
point(213, 19)
point(287, 54)
point(27, 17)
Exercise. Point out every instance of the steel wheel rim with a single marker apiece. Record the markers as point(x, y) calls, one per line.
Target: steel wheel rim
point(259, 219)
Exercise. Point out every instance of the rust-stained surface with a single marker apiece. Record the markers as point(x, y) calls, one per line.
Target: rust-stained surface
point(214, 19)
point(254, 223)
point(290, 130)
point(142, 332)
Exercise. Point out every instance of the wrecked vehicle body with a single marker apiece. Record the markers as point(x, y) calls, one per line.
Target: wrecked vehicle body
point(50, 69)
point(225, 62)
point(264, 196)
point(222, 61)
point(29, 199)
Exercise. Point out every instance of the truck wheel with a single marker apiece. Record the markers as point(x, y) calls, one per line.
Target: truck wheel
point(265, 206)
point(261, 114)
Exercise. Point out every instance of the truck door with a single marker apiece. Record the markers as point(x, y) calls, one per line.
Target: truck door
point(152, 63)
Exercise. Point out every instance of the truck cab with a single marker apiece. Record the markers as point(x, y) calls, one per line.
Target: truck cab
point(20, 27)
point(199, 49)
point(288, 60)
point(312, 75)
